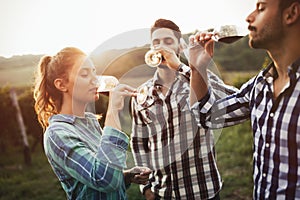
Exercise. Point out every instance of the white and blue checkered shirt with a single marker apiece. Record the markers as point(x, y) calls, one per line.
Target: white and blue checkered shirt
point(276, 129)
point(166, 138)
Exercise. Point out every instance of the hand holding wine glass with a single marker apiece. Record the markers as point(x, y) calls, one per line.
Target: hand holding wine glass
point(200, 41)
point(162, 53)
point(117, 94)
point(108, 83)
point(200, 51)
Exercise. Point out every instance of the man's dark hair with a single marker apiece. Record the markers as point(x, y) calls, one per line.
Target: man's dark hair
point(283, 4)
point(164, 23)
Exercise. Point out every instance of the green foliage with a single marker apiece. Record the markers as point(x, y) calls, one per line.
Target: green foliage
point(10, 132)
point(240, 80)
point(33, 127)
point(134, 193)
point(8, 128)
point(238, 56)
point(35, 182)
point(234, 158)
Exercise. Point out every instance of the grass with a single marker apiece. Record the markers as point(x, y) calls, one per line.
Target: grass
point(234, 158)
point(234, 154)
point(18, 181)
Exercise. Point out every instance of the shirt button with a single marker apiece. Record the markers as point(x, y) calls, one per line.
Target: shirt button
point(267, 145)
point(271, 114)
point(264, 175)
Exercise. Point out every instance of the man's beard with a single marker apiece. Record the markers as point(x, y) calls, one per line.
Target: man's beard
point(266, 37)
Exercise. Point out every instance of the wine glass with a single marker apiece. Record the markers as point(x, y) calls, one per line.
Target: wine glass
point(142, 94)
point(153, 58)
point(224, 34)
point(106, 83)
point(228, 33)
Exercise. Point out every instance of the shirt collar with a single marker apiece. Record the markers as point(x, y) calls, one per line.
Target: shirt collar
point(295, 68)
point(156, 78)
point(69, 118)
point(270, 73)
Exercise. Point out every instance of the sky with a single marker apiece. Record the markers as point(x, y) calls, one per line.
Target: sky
point(46, 26)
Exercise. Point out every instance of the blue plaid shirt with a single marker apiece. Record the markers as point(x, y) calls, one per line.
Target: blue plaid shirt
point(276, 129)
point(87, 161)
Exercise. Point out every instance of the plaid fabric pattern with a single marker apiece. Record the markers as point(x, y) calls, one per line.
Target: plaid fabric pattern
point(87, 161)
point(276, 129)
point(165, 138)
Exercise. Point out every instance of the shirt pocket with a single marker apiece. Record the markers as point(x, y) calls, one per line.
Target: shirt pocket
point(155, 116)
point(146, 117)
point(154, 113)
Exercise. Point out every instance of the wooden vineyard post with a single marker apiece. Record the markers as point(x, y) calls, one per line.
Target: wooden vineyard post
point(27, 156)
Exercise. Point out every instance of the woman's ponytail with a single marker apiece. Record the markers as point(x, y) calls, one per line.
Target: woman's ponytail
point(43, 105)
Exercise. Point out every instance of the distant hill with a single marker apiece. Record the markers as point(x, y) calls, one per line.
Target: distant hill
point(18, 70)
point(119, 62)
point(129, 63)
point(18, 61)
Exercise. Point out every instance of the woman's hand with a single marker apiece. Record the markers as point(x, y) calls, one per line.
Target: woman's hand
point(116, 103)
point(118, 94)
point(138, 175)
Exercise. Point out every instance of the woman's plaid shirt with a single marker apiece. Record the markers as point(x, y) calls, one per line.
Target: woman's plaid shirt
point(88, 162)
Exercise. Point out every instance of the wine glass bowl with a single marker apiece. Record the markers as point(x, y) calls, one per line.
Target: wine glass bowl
point(153, 58)
point(142, 94)
point(224, 34)
point(228, 33)
point(106, 83)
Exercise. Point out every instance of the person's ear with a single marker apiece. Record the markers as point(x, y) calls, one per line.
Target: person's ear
point(292, 13)
point(60, 85)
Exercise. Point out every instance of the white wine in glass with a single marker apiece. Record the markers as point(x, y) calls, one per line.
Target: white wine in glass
point(153, 58)
point(142, 94)
point(106, 83)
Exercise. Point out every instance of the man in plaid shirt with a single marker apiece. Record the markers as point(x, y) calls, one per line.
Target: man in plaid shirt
point(270, 99)
point(165, 137)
